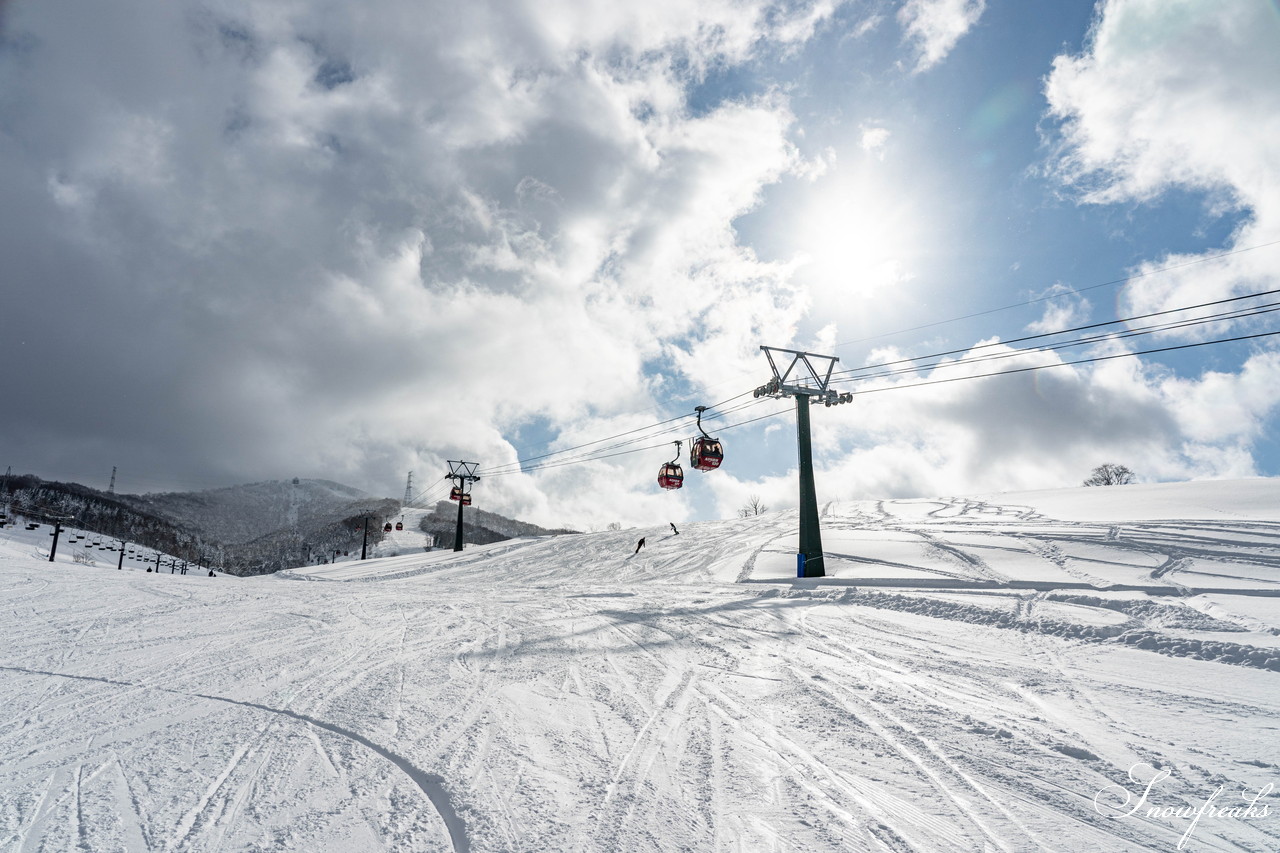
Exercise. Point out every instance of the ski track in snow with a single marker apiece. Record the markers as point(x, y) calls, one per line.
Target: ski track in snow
point(970, 676)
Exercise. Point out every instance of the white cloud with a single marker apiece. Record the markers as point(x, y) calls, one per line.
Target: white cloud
point(1178, 95)
point(348, 241)
point(1063, 309)
point(936, 26)
point(874, 140)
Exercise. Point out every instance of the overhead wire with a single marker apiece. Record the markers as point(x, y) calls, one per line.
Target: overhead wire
point(1043, 335)
point(1158, 271)
point(575, 461)
point(1090, 360)
point(523, 464)
point(1222, 317)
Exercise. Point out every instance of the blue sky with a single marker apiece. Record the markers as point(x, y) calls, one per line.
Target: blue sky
point(248, 241)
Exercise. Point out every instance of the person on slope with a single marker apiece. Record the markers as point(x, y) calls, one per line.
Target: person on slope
point(673, 528)
point(639, 545)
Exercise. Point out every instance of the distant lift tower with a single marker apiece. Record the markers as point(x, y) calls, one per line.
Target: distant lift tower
point(807, 375)
point(111, 489)
point(464, 474)
point(408, 489)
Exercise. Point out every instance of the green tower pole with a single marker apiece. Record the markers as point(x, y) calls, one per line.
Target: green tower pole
point(810, 531)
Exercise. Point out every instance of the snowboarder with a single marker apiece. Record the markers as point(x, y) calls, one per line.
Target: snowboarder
point(673, 528)
point(639, 545)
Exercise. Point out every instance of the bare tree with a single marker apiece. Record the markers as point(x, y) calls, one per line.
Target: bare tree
point(753, 506)
point(1110, 474)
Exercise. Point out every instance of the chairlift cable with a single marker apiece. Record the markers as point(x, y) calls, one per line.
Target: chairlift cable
point(1148, 273)
point(1094, 339)
point(1058, 332)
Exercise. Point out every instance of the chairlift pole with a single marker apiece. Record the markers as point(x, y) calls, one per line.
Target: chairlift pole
point(462, 473)
point(457, 532)
point(810, 530)
point(364, 546)
point(803, 379)
point(57, 531)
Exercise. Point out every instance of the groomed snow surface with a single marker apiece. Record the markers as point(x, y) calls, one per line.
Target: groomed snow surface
point(1056, 671)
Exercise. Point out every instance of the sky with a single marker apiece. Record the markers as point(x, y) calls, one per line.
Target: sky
point(247, 241)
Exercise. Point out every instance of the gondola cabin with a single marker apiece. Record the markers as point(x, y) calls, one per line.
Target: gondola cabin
point(670, 476)
point(399, 525)
point(455, 494)
point(386, 528)
point(706, 454)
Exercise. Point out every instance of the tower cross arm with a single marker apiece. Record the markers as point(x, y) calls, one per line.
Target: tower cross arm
point(807, 374)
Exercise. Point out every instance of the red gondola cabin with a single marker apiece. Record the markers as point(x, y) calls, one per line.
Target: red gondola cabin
point(670, 476)
point(706, 454)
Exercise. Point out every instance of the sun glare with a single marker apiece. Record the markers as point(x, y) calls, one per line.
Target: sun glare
point(854, 238)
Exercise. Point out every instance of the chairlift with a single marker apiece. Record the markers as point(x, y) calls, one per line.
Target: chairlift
point(706, 453)
point(671, 475)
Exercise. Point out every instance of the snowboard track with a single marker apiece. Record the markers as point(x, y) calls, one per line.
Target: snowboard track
point(432, 785)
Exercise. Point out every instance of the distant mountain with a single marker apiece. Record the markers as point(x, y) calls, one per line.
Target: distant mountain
point(276, 524)
point(478, 526)
point(255, 528)
point(239, 514)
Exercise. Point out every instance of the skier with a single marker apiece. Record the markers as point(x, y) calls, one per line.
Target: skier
point(673, 528)
point(639, 545)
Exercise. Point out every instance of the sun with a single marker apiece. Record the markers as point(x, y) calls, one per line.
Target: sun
point(853, 238)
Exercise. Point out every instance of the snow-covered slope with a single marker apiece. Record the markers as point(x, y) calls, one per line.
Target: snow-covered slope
point(995, 673)
point(410, 540)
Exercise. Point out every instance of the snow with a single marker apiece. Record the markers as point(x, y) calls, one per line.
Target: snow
point(411, 540)
point(978, 673)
